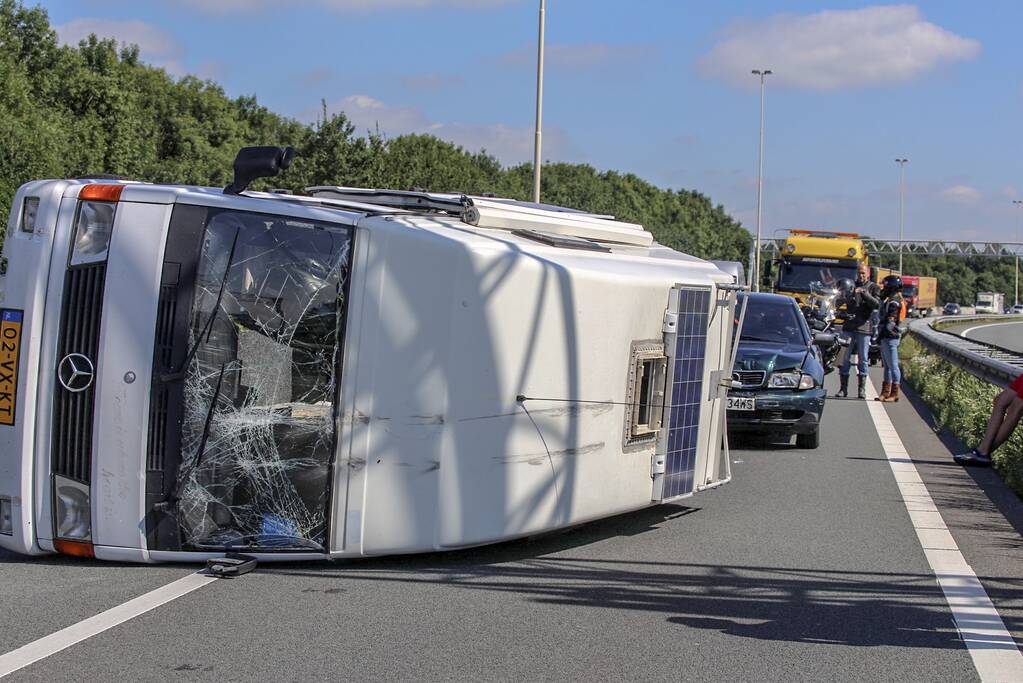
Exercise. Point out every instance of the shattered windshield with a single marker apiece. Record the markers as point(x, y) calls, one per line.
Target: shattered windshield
point(798, 276)
point(258, 433)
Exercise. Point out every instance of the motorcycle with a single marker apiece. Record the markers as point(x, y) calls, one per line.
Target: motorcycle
point(820, 313)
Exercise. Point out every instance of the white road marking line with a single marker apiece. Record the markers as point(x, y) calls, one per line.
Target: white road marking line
point(87, 628)
point(994, 652)
point(967, 331)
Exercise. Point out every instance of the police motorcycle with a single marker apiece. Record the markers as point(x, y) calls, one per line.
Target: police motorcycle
point(824, 321)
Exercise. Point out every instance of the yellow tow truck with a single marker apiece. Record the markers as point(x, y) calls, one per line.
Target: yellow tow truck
point(810, 256)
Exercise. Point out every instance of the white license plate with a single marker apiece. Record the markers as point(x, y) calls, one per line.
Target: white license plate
point(740, 403)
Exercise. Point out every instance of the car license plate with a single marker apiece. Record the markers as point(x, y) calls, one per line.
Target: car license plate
point(741, 403)
point(10, 346)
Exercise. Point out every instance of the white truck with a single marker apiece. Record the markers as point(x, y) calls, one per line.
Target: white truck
point(189, 371)
point(990, 302)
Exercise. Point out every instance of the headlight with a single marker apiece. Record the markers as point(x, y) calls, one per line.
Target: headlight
point(790, 380)
point(92, 232)
point(73, 511)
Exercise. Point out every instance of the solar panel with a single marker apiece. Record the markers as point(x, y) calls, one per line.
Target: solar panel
point(686, 391)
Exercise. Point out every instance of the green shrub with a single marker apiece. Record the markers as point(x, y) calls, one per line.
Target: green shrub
point(961, 403)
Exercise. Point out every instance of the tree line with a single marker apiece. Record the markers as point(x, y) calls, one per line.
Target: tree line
point(68, 111)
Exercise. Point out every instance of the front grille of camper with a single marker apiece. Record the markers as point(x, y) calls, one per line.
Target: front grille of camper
point(166, 315)
point(73, 413)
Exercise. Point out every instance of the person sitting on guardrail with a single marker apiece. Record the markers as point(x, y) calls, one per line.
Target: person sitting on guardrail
point(859, 305)
point(1005, 415)
point(889, 334)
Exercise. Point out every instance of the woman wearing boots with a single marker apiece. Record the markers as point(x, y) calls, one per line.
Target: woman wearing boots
point(888, 337)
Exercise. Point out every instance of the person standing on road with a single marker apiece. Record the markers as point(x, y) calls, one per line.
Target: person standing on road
point(1005, 415)
point(889, 335)
point(859, 305)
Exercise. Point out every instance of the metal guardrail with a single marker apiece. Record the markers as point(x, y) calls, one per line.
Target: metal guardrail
point(989, 362)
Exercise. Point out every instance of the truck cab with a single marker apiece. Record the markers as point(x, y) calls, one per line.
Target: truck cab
point(810, 256)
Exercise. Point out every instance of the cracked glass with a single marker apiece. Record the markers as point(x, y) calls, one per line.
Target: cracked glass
point(259, 427)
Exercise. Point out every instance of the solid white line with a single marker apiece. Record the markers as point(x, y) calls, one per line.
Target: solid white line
point(967, 331)
point(76, 633)
point(994, 652)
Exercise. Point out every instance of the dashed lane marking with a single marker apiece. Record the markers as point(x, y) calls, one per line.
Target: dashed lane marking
point(994, 652)
point(76, 633)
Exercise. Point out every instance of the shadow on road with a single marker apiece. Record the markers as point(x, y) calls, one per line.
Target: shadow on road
point(866, 609)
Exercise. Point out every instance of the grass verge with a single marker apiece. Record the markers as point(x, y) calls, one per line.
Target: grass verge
point(961, 403)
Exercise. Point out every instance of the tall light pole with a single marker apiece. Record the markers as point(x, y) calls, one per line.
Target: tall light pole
point(537, 145)
point(763, 73)
point(1018, 203)
point(902, 204)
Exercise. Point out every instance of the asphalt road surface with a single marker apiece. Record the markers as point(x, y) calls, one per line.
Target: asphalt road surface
point(805, 567)
point(1008, 335)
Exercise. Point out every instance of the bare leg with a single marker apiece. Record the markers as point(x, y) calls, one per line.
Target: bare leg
point(1002, 403)
point(1008, 426)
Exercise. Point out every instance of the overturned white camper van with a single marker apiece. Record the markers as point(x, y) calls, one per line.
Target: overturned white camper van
point(354, 372)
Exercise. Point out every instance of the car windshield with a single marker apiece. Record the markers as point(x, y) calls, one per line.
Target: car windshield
point(797, 277)
point(909, 290)
point(773, 320)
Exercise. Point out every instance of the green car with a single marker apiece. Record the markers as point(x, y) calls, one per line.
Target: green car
point(778, 377)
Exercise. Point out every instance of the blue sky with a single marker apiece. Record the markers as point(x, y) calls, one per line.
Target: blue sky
point(660, 88)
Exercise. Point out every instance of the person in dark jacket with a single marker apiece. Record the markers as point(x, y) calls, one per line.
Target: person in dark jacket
point(859, 306)
point(889, 335)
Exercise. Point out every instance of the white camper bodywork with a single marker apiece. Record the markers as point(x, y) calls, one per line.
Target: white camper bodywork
point(486, 381)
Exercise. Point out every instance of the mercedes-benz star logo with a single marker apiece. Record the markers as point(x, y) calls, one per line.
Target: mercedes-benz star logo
point(76, 372)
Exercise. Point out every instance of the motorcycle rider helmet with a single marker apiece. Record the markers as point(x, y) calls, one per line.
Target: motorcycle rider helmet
point(845, 286)
point(891, 284)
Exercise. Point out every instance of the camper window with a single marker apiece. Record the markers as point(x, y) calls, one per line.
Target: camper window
point(646, 391)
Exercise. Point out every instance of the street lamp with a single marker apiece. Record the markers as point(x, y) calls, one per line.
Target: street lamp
point(1019, 204)
point(539, 108)
point(763, 73)
point(902, 203)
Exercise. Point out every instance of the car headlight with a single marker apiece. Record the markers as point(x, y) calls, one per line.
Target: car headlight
point(92, 232)
point(73, 509)
point(790, 380)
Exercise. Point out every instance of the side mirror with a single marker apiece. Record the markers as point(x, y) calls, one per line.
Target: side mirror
point(258, 162)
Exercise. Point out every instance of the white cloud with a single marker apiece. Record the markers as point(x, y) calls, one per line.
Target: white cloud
point(836, 48)
point(577, 55)
point(511, 145)
point(151, 40)
point(341, 6)
point(961, 194)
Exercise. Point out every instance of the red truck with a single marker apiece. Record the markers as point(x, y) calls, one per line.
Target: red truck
point(920, 293)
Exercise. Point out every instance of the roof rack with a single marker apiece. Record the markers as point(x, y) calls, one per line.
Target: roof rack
point(500, 214)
